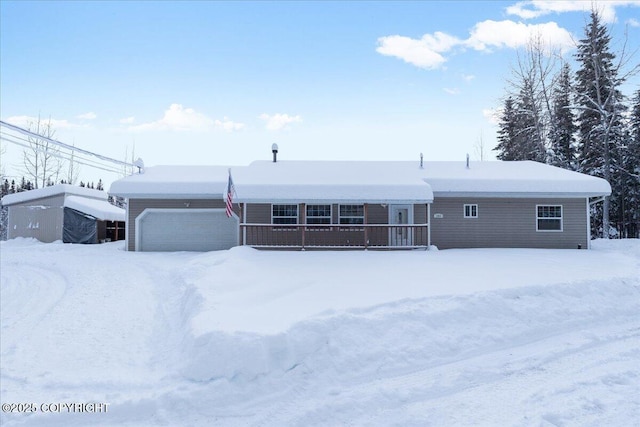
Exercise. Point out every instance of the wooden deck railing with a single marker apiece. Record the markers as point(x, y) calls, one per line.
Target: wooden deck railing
point(301, 236)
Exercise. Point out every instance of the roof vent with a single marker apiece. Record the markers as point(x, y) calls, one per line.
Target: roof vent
point(274, 150)
point(140, 165)
point(421, 161)
point(467, 160)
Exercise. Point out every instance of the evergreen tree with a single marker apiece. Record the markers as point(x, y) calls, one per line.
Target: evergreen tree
point(5, 188)
point(631, 173)
point(507, 133)
point(600, 113)
point(100, 186)
point(562, 150)
point(529, 140)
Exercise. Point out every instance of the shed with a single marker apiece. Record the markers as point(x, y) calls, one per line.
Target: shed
point(64, 212)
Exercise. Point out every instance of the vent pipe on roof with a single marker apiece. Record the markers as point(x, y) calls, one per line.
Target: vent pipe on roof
point(274, 150)
point(421, 162)
point(467, 160)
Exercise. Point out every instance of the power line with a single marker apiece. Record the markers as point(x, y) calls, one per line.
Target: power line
point(72, 157)
point(28, 133)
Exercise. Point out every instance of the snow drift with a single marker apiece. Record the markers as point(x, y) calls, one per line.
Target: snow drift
point(246, 337)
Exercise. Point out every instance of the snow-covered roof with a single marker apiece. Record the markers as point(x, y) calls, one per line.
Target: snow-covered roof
point(174, 182)
point(100, 209)
point(361, 181)
point(336, 181)
point(506, 179)
point(54, 190)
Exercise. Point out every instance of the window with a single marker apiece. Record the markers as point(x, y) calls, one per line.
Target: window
point(284, 214)
point(549, 218)
point(351, 214)
point(318, 214)
point(471, 211)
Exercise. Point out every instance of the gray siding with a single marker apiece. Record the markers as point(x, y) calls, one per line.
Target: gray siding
point(40, 222)
point(136, 206)
point(40, 218)
point(506, 223)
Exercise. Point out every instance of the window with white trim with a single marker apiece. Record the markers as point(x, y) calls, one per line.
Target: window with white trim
point(318, 215)
point(471, 211)
point(284, 214)
point(549, 218)
point(351, 215)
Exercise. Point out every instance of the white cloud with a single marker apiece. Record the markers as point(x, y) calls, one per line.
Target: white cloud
point(87, 116)
point(27, 121)
point(537, 8)
point(423, 53)
point(499, 34)
point(279, 121)
point(178, 118)
point(228, 125)
point(632, 22)
point(468, 77)
point(128, 120)
point(452, 91)
point(427, 52)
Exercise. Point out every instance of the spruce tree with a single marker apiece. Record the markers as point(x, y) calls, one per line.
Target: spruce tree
point(507, 133)
point(631, 173)
point(600, 127)
point(562, 150)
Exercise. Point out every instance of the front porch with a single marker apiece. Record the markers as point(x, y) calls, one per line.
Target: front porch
point(361, 236)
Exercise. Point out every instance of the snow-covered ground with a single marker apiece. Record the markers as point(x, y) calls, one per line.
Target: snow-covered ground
point(245, 337)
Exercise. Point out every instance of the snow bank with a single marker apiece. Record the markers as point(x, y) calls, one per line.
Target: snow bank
point(245, 337)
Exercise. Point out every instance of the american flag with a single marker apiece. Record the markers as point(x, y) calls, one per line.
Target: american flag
point(229, 199)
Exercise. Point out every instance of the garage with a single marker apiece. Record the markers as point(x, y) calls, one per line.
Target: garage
point(185, 230)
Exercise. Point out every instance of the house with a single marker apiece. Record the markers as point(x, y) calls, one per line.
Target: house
point(64, 212)
point(350, 204)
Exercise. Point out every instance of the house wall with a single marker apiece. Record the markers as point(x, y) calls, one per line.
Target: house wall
point(40, 218)
point(136, 206)
point(505, 223)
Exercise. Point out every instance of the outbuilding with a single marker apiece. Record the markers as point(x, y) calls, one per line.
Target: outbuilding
point(64, 212)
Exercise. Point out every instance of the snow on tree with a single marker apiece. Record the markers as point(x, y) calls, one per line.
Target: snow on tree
point(600, 108)
point(562, 138)
point(507, 133)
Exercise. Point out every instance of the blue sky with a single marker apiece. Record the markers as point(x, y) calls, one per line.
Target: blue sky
point(219, 82)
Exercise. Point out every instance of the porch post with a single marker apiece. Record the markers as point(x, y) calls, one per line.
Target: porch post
point(428, 225)
point(243, 215)
point(366, 229)
point(303, 217)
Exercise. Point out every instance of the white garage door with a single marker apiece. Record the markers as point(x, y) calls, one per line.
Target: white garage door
point(185, 230)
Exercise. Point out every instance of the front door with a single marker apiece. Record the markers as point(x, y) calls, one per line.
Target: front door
point(399, 233)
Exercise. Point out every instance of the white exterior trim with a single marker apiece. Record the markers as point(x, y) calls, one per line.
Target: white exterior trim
point(561, 218)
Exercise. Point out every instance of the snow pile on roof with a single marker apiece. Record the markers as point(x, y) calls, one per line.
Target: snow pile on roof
point(50, 191)
point(100, 209)
point(336, 181)
point(361, 181)
point(174, 182)
point(510, 178)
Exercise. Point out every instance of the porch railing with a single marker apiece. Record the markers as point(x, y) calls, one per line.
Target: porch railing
point(334, 236)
